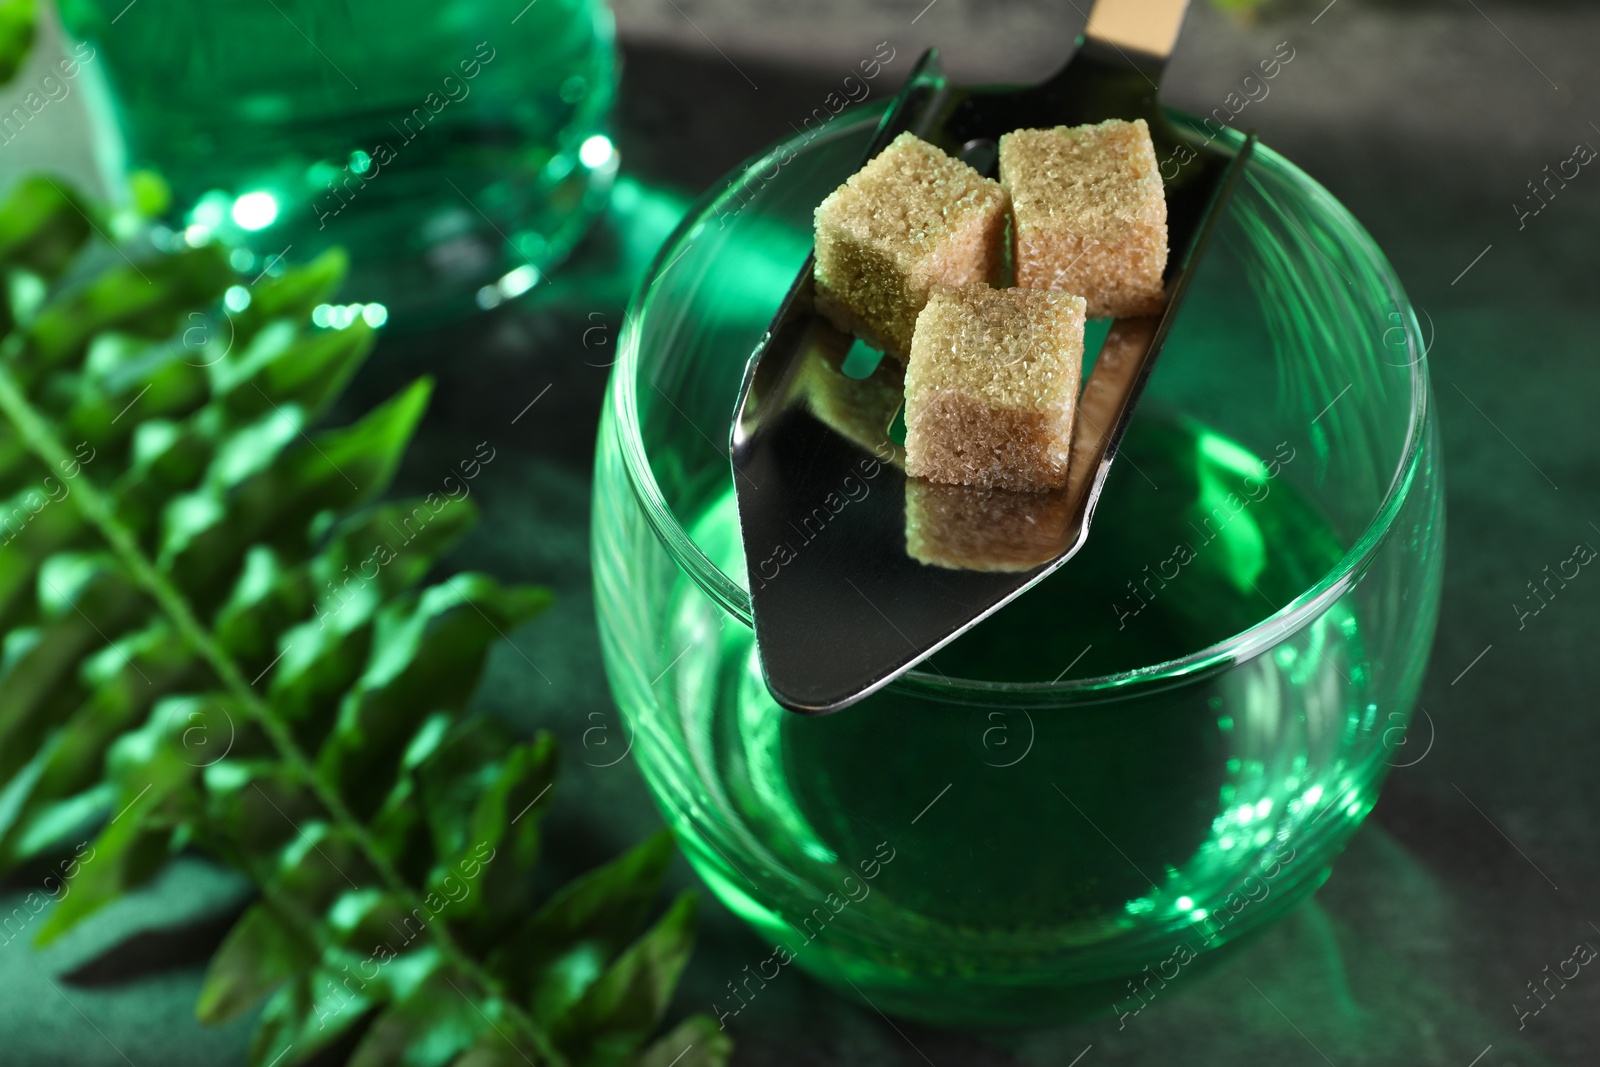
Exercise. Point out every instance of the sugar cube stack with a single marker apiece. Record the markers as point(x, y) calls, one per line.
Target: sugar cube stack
point(911, 218)
point(992, 386)
point(1089, 214)
point(906, 253)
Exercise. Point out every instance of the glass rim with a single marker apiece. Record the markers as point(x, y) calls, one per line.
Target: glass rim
point(1238, 648)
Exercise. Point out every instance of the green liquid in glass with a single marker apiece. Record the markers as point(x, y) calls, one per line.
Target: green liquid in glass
point(1055, 827)
point(442, 143)
point(1128, 599)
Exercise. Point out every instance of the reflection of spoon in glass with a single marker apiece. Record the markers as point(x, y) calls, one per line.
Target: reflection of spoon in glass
point(840, 608)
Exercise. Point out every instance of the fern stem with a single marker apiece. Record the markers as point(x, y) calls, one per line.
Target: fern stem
point(97, 510)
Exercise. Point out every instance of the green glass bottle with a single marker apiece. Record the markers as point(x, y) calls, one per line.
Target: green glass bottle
point(457, 149)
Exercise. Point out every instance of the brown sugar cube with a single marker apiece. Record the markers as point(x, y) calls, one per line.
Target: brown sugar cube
point(972, 528)
point(910, 218)
point(992, 387)
point(1090, 214)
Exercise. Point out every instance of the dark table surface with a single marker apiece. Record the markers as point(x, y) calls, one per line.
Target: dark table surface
point(1477, 868)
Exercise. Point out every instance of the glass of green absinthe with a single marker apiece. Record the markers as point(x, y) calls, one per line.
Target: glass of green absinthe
point(456, 150)
point(1160, 748)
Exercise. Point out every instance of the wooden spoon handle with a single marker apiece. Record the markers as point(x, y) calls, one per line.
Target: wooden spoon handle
point(1147, 26)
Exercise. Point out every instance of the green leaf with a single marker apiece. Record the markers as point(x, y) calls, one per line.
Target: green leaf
point(623, 1006)
point(262, 952)
point(17, 19)
point(42, 225)
point(695, 1042)
point(373, 925)
point(267, 599)
point(26, 538)
point(148, 299)
point(427, 1028)
point(208, 532)
point(503, 836)
point(294, 293)
point(353, 465)
point(85, 598)
point(593, 916)
point(125, 679)
point(126, 854)
point(334, 470)
point(466, 762)
point(156, 793)
point(424, 658)
point(305, 1017)
point(150, 193)
point(154, 386)
point(493, 1050)
point(393, 545)
point(398, 827)
point(306, 371)
point(75, 818)
point(263, 808)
